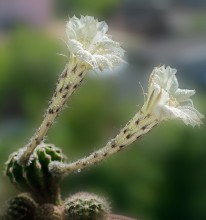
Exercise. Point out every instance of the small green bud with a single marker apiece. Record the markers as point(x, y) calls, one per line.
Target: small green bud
point(86, 206)
point(48, 212)
point(36, 177)
point(20, 207)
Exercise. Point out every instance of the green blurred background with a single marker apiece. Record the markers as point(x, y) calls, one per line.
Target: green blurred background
point(163, 176)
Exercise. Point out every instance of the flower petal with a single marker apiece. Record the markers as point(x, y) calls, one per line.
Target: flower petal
point(87, 40)
point(188, 114)
point(82, 54)
point(166, 101)
point(103, 62)
point(165, 78)
point(183, 94)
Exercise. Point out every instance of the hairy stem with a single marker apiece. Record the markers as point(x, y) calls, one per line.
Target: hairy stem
point(70, 79)
point(133, 130)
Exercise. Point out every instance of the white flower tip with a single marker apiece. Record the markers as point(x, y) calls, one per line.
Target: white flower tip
point(166, 101)
point(88, 41)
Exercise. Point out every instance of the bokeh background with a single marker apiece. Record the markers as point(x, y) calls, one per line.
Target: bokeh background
point(162, 176)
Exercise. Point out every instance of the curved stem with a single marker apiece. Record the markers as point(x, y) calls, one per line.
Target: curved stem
point(70, 79)
point(133, 130)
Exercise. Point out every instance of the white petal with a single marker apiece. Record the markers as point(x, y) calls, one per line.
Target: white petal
point(166, 101)
point(77, 49)
point(102, 29)
point(87, 40)
point(165, 78)
point(183, 94)
point(173, 85)
point(108, 46)
point(189, 115)
point(153, 96)
point(72, 27)
point(163, 112)
point(103, 62)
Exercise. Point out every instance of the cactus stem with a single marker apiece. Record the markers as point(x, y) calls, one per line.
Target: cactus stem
point(70, 79)
point(127, 135)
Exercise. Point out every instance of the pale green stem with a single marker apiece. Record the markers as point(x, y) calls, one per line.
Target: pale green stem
point(70, 79)
point(133, 130)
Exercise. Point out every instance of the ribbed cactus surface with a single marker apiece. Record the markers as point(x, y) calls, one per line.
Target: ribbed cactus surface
point(35, 177)
point(85, 206)
point(21, 207)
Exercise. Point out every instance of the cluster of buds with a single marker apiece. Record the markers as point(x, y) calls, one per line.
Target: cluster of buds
point(38, 167)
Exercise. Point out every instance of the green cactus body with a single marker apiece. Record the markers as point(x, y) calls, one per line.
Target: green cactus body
point(35, 177)
point(21, 207)
point(86, 206)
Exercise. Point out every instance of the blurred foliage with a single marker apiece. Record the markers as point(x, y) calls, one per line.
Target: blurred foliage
point(101, 8)
point(163, 176)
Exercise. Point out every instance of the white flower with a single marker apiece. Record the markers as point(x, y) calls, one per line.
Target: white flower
point(88, 41)
point(167, 101)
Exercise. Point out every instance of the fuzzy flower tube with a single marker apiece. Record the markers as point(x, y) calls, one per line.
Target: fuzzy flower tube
point(164, 101)
point(90, 48)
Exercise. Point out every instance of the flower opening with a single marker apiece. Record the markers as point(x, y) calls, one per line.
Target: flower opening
point(166, 101)
point(88, 41)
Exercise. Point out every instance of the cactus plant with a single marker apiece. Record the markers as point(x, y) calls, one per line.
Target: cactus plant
point(38, 168)
point(35, 177)
point(86, 206)
point(21, 207)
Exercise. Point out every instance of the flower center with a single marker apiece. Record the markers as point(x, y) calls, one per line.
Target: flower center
point(173, 101)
